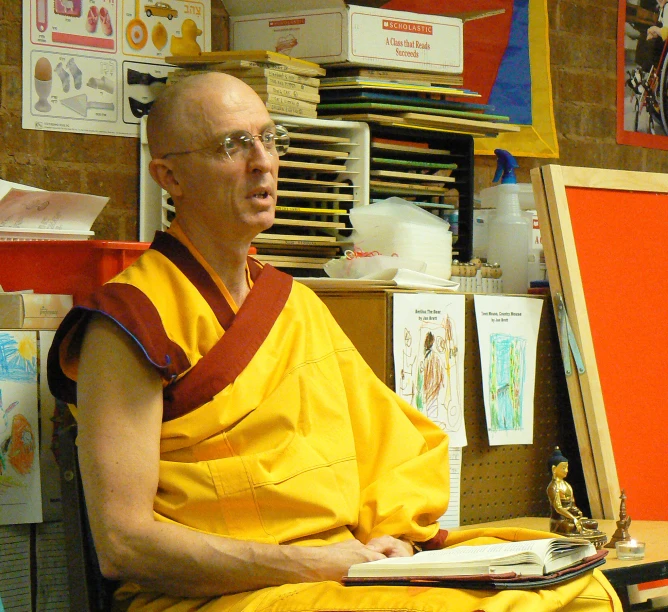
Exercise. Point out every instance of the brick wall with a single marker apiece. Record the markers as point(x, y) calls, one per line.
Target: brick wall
point(583, 56)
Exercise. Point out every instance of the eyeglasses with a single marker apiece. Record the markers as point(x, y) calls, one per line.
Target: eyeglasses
point(238, 145)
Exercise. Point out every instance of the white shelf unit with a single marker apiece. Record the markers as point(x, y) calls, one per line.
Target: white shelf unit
point(325, 170)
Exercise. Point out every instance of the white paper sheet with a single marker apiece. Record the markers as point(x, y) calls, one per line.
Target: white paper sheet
point(508, 334)
point(452, 516)
point(428, 339)
point(20, 486)
point(27, 209)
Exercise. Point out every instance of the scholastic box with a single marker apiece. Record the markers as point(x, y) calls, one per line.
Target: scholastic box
point(339, 33)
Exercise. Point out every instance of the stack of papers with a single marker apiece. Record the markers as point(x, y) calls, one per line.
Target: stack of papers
point(27, 213)
point(390, 277)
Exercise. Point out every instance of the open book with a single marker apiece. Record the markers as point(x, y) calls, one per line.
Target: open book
point(526, 558)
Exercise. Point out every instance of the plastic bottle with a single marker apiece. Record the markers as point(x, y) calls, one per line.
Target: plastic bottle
point(509, 228)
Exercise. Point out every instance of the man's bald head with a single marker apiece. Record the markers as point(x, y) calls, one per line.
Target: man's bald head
point(179, 118)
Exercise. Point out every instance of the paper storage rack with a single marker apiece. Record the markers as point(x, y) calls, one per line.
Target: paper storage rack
point(431, 168)
point(322, 176)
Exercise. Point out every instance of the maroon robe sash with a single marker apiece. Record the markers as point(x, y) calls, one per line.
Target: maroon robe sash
point(234, 351)
point(131, 309)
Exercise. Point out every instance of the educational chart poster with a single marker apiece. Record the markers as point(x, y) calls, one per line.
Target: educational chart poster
point(508, 335)
point(95, 66)
point(429, 357)
point(20, 491)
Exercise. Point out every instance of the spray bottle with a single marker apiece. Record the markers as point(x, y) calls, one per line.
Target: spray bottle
point(509, 228)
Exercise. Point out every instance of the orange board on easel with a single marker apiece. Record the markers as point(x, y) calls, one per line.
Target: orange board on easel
point(603, 234)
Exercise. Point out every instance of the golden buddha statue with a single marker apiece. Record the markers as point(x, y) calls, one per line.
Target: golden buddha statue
point(565, 517)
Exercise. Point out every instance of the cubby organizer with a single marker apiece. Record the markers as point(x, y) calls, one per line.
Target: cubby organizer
point(433, 169)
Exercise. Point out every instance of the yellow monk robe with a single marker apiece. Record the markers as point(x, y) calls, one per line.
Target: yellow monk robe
point(277, 431)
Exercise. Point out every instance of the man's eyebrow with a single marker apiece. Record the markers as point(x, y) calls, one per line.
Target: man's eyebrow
point(221, 137)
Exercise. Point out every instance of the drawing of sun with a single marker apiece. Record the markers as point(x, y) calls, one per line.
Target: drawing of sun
point(27, 349)
point(18, 356)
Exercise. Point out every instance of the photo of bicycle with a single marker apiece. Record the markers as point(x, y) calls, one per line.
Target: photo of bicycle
point(646, 67)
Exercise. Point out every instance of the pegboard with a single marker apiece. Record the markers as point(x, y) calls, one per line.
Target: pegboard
point(501, 482)
point(498, 482)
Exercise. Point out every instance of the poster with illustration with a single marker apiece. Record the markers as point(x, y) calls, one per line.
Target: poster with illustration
point(20, 489)
point(95, 66)
point(508, 336)
point(429, 357)
point(642, 74)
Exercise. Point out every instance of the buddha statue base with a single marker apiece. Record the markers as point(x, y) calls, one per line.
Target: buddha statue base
point(597, 538)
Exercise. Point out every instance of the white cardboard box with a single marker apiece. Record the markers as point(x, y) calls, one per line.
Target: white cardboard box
point(337, 33)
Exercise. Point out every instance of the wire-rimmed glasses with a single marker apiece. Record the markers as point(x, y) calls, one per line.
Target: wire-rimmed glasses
point(237, 145)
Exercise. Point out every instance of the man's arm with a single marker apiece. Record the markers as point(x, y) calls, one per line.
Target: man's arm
point(119, 419)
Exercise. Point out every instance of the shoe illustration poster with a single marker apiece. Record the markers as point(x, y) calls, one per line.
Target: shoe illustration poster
point(95, 66)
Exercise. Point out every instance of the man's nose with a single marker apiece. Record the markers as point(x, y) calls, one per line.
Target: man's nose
point(259, 156)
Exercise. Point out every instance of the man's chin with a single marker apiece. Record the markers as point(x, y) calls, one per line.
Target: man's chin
point(264, 220)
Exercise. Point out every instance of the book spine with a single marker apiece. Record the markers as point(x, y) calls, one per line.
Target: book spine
point(287, 106)
point(254, 75)
point(287, 92)
point(278, 81)
point(408, 76)
point(282, 75)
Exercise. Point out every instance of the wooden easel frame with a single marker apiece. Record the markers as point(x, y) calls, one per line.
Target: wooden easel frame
point(551, 186)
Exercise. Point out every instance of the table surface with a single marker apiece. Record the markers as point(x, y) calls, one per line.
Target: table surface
point(653, 533)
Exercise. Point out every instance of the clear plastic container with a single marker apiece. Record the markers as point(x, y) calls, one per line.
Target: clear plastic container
point(508, 240)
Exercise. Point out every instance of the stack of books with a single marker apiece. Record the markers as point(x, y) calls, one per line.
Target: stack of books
point(422, 100)
point(288, 86)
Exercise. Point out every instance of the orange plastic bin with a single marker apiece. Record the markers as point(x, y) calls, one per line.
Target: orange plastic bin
point(75, 267)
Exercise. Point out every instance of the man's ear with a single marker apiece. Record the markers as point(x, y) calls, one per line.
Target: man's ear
point(162, 173)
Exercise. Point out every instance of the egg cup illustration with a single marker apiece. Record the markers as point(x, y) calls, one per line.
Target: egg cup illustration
point(43, 74)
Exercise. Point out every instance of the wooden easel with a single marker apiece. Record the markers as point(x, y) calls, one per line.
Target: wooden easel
point(603, 236)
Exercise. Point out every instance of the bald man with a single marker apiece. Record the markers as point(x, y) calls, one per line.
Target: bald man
point(236, 451)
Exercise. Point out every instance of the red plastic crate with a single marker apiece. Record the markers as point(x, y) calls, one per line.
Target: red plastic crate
point(75, 267)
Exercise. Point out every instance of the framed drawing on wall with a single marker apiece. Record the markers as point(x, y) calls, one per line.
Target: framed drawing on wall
point(602, 233)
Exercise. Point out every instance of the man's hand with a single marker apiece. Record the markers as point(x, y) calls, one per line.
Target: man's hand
point(653, 32)
point(391, 547)
point(334, 560)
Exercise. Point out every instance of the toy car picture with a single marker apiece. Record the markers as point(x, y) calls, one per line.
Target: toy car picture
point(161, 9)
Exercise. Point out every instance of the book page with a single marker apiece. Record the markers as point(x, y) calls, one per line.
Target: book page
point(451, 518)
point(49, 210)
point(460, 559)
